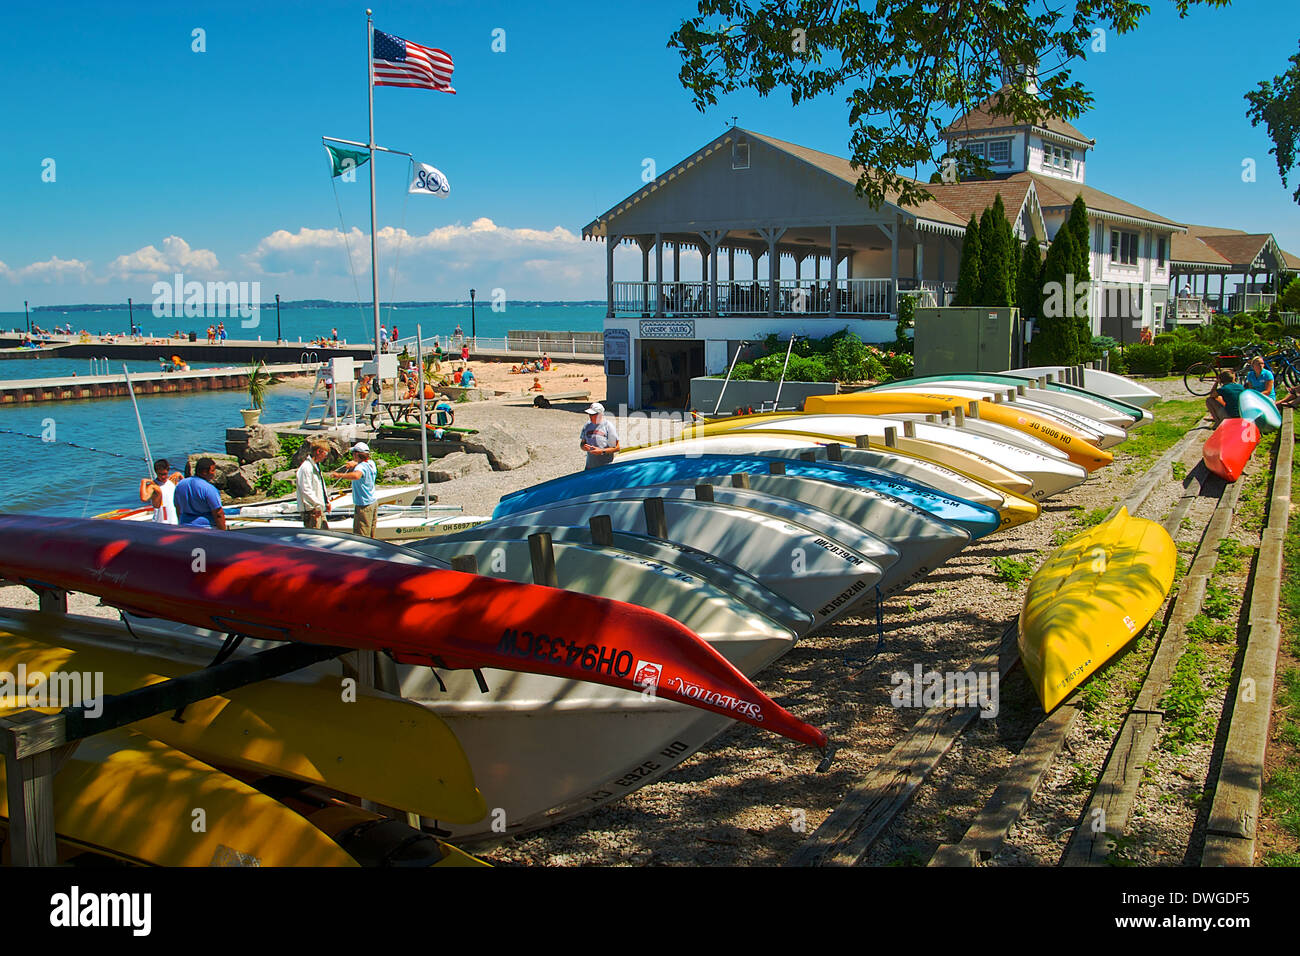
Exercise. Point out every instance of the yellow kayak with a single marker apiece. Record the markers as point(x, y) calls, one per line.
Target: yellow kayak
point(375, 746)
point(922, 449)
point(1076, 446)
point(1090, 598)
point(137, 800)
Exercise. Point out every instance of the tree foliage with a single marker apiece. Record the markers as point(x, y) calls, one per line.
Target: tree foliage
point(995, 252)
point(968, 274)
point(1276, 104)
point(1029, 285)
point(904, 67)
point(1081, 240)
point(1055, 341)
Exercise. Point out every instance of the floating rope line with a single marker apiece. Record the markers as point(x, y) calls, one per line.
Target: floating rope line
point(70, 444)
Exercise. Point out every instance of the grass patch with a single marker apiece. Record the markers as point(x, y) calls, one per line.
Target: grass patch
point(1179, 470)
point(1231, 555)
point(1012, 571)
point(1090, 519)
point(1184, 702)
point(1172, 421)
point(1061, 535)
point(1218, 602)
point(1201, 628)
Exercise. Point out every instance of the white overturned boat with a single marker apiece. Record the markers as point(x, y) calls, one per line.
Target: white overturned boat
point(1104, 383)
point(1097, 433)
point(542, 748)
point(824, 570)
point(1048, 475)
point(1073, 403)
point(779, 445)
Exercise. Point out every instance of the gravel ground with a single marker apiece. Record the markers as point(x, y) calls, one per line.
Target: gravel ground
point(750, 798)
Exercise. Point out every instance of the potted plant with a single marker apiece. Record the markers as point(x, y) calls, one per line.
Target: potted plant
point(258, 380)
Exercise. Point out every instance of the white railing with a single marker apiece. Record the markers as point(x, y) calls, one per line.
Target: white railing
point(1245, 301)
point(686, 298)
point(867, 297)
point(634, 296)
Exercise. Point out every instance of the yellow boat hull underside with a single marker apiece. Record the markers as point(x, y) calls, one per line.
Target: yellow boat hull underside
point(1076, 447)
point(1089, 599)
point(370, 745)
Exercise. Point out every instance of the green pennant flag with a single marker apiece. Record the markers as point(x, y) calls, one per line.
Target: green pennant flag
point(345, 160)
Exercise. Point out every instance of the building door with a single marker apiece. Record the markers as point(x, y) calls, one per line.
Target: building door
point(667, 367)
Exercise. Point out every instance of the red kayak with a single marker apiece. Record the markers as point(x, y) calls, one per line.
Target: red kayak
point(1230, 447)
point(244, 584)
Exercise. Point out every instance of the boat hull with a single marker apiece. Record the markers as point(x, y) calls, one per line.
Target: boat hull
point(1229, 448)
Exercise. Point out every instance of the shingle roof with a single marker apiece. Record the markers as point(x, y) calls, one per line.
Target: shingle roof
point(972, 198)
point(983, 117)
point(844, 169)
point(1058, 193)
point(1236, 247)
point(1190, 249)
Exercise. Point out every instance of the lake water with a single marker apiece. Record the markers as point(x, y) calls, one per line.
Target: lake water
point(56, 478)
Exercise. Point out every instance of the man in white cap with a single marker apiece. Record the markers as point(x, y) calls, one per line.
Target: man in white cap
point(361, 472)
point(598, 439)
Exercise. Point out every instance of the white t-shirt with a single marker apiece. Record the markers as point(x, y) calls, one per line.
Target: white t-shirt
point(311, 486)
point(166, 514)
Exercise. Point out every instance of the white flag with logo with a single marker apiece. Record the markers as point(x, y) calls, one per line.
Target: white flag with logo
point(429, 182)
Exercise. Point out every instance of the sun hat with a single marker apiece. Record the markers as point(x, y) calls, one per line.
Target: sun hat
point(361, 447)
point(595, 408)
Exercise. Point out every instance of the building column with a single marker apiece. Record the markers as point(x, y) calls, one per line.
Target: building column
point(1223, 282)
point(835, 272)
point(893, 267)
point(918, 265)
point(677, 261)
point(943, 269)
point(659, 274)
point(713, 279)
point(645, 276)
point(731, 264)
point(798, 268)
point(610, 243)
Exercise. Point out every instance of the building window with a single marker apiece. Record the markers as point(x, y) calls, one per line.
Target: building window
point(1160, 251)
point(1123, 248)
point(1058, 158)
point(740, 156)
point(1000, 152)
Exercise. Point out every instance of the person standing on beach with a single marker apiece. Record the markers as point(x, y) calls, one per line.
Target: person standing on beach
point(361, 472)
point(313, 499)
point(160, 491)
point(598, 438)
point(198, 503)
point(334, 336)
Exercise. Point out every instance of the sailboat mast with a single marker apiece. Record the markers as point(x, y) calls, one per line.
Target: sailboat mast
point(374, 246)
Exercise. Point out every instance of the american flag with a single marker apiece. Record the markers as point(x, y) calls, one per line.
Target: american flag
point(399, 62)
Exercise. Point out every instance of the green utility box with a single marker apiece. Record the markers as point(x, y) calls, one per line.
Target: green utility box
point(968, 339)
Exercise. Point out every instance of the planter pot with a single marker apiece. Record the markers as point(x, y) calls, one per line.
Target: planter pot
point(251, 415)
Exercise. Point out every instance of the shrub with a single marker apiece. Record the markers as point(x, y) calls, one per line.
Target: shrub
point(1183, 353)
point(1148, 359)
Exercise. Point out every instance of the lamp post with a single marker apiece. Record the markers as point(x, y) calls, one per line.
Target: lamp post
point(277, 318)
point(29, 317)
point(473, 326)
point(130, 314)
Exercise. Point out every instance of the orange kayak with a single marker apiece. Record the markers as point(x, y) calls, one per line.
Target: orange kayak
point(1076, 446)
point(419, 615)
point(1230, 447)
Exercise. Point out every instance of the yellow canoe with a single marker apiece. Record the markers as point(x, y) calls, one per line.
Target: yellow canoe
point(370, 745)
point(123, 795)
point(1089, 599)
point(958, 459)
point(1076, 446)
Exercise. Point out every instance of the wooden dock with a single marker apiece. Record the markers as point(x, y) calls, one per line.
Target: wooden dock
point(73, 388)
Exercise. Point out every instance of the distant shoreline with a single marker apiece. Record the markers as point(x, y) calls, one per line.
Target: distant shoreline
point(328, 304)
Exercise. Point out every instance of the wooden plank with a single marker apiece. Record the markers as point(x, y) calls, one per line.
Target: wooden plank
point(847, 834)
point(1107, 812)
point(29, 739)
point(1007, 804)
point(1231, 828)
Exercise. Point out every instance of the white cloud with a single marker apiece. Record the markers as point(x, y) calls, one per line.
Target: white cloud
point(52, 270)
point(175, 256)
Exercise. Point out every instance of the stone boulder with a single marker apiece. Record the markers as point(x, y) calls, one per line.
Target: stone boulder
point(338, 452)
point(226, 465)
point(262, 443)
point(290, 475)
point(505, 450)
point(268, 466)
point(456, 465)
point(242, 482)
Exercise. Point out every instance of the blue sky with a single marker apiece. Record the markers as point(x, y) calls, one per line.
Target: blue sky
point(211, 162)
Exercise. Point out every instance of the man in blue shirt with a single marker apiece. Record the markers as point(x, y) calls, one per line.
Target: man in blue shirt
point(197, 501)
point(1259, 378)
point(361, 472)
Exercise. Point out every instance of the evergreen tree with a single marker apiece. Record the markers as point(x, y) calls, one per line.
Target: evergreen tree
point(968, 276)
point(1081, 238)
point(993, 257)
point(1055, 340)
point(1029, 288)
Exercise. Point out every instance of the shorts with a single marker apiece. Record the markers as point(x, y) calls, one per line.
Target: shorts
point(311, 519)
point(363, 521)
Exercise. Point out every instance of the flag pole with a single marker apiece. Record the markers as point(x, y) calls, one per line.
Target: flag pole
point(374, 245)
